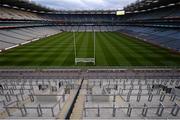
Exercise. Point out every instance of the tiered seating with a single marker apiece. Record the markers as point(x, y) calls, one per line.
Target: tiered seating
point(122, 94)
point(47, 94)
point(7, 13)
point(130, 98)
point(5, 45)
point(89, 28)
point(161, 26)
point(33, 98)
point(162, 36)
point(14, 37)
point(155, 14)
point(80, 17)
point(144, 93)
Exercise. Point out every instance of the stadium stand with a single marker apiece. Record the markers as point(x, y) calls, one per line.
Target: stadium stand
point(18, 26)
point(156, 23)
point(96, 94)
point(162, 36)
point(8, 13)
point(14, 37)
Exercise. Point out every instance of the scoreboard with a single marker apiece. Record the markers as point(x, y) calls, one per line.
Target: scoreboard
point(121, 12)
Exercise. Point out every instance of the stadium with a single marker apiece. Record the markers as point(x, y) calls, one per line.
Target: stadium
point(90, 63)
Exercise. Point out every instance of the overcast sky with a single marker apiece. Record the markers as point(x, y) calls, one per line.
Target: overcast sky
point(84, 4)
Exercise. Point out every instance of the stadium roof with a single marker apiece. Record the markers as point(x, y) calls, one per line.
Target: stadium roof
point(147, 5)
point(24, 5)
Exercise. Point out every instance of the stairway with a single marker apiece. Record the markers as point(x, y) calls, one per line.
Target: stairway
point(62, 114)
point(78, 109)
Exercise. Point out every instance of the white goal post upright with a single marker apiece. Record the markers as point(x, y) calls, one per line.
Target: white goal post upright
point(75, 54)
point(87, 59)
point(94, 45)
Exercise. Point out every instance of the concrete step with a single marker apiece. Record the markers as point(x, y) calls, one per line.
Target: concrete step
point(77, 112)
point(62, 114)
point(78, 108)
point(119, 100)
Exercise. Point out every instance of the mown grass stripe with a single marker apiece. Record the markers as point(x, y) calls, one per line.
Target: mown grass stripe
point(53, 55)
point(40, 55)
point(146, 60)
point(131, 55)
point(111, 59)
point(126, 58)
point(100, 55)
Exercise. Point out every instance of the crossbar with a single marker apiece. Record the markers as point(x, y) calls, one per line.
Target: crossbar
point(84, 60)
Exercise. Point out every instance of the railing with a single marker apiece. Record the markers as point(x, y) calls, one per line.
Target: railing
point(24, 109)
point(88, 67)
point(143, 110)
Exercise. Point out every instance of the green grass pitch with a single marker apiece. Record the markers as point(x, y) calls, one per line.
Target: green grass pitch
point(112, 49)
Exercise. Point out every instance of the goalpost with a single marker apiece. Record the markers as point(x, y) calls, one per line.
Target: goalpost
point(83, 59)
